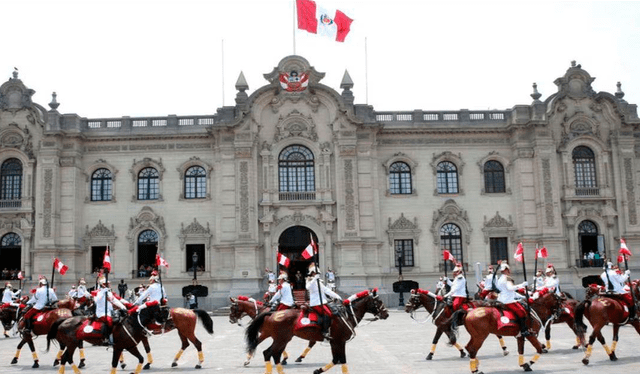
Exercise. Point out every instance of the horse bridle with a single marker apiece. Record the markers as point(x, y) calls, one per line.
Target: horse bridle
point(416, 296)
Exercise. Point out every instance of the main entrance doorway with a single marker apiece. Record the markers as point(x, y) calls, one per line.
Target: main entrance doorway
point(291, 244)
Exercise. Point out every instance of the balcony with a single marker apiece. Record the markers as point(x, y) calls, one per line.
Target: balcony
point(297, 196)
point(587, 191)
point(10, 204)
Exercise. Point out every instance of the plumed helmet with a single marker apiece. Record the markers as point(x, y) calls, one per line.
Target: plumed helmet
point(504, 266)
point(8, 285)
point(458, 268)
point(283, 276)
point(550, 269)
point(313, 269)
point(154, 273)
point(73, 286)
point(153, 279)
point(43, 281)
point(490, 268)
point(82, 281)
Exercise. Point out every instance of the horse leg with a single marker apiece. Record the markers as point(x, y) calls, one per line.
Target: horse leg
point(17, 355)
point(592, 338)
point(56, 362)
point(81, 350)
point(503, 345)
point(337, 358)
point(306, 351)
point(32, 347)
point(261, 337)
point(434, 343)
point(547, 335)
point(69, 359)
point(122, 363)
point(539, 350)
point(472, 347)
point(198, 346)
point(185, 344)
point(147, 349)
point(267, 360)
point(612, 352)
point(285, 356)
point(134, 351)
point(117, 356)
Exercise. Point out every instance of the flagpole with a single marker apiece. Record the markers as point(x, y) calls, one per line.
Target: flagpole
point(526, 290)
point(535, 270)
point(316, 255)
point(53, 273)
point(106, 282)
point(366, 72)
point(222, 67)
point(626, 265)
point(294, 27)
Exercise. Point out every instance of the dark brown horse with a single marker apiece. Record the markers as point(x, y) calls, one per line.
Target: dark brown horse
point(483, 321)
point(440, 312)
point(184, 321)
point(600, 311)
point(41, 325)
point(9, 315)
point(126, 336)
point(564, 314)
point(242, 306)
point(281, 327)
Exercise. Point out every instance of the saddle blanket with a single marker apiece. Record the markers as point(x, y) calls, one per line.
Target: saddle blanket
point(504, 318)
point(307, 320)
point(90, 329)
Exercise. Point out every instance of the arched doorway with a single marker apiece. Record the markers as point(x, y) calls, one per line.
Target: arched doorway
point(10, 252)
point(291, 244)
point(588, 238)
point(147, 249)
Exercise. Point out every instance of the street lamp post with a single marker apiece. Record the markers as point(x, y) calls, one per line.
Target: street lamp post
point(194, 262)
point(400, 278)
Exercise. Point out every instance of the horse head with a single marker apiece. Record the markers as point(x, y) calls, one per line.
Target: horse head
point(235, 312)
point(413, 303)
point(153, 313)
point(7, 316)
point(375, 306)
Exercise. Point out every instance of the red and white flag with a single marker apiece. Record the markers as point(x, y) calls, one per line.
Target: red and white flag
point(519, 255)
point(283, 260)
point(542, 252)
point(20, 275)
point(161, 261)
point(60, 267)
point(106, 261)
point(624, 250)
point(311, 249)
point(448, 256)
point(317, 20)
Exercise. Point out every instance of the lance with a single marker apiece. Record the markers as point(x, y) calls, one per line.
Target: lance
point(446, 278)
point(493, 279)
point(606, 271)
point(315, 256)
point(535, 270)
point(526, 290)
point(106, 283)
point(633, 296)
point(53, 274)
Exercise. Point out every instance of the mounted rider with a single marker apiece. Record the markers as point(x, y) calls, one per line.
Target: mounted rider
point(551, 283)
point(615, 284)
point(43, 295)
point(73, 292)
point(104, 301)
point(9, 296)
point(154, 295)
point(487, 283)
point(458, 289)
point(508, 296)
point(82, 293)
point(283, 295)
point(318, 298)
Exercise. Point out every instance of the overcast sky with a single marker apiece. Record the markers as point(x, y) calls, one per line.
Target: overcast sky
point(154, 58)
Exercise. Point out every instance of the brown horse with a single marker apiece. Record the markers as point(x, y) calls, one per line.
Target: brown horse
point(77, 308)
point(600, 311)
point(282, 325)
point(184, 321)
point(41, 325)
point(126, 335)
point(564, 314)
point(482, 321)
point(440, 312)
point(242, 306)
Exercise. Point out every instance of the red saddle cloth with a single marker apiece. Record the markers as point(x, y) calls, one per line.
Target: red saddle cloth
point(90, 329)
point(506, 318)
point(310, 320)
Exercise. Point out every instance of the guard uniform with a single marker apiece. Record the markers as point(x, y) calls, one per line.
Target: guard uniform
point(488, 283)
point(153, 295)
point(508, 295)
point(8, 295)
point(283, 294)
point(39, 300)
point(458, 289)
point(316, 288)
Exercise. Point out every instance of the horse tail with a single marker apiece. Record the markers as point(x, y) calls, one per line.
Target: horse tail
point(581, 328)
point(457, 319)
point(207, 322)
point(253, 331)
point(51, 335)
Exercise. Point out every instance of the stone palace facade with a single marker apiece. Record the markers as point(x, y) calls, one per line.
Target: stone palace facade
point(296, 159)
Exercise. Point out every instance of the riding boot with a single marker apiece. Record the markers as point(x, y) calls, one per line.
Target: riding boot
point(524, 331)
point(326, 325)
point(632, 313)
point(28, 325)
point(105, 334)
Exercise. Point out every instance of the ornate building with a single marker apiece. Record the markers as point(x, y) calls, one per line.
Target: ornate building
point(297, 159)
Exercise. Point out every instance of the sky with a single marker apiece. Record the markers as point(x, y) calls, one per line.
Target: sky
point(137, 58)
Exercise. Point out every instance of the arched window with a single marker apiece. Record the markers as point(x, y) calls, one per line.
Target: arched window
point(400, 178)
point(447, 178)
point(10, 252)
point(148, 184)
point(493, 177)
point(584, 162)
point(147, 249)
point(451, 240)
point(101, 185)
point(296, 169)
point(195, 183)
point(589, 246)
point(11, 180)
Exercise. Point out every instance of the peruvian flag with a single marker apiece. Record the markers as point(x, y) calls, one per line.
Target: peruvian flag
point(20, 275)
point(624, 250)
point(311, 249)
point(106, 261)
point(316, 20)
point(448, 256)
point(161, 261)
point(60, 267)
point(519, 255)
point(542, 252)
point(283, 260)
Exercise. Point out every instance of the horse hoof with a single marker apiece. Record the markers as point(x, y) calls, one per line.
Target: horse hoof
point(6, 335)
point(174, 364)
point(429, 356)
point(299, 359)
point(317, 371)
point(284, 362)
point(246, 363)
point(575, 347)
point(123, 365)
point(585, 361)
point(505, 352)
point(14, 361)
point(147, 366)
point(56, 362)
point(35, 365)
point(198, 366)
point(613, 356)
point(463, 354)
point(544, 350)
point(527, 367)
point(81, 364)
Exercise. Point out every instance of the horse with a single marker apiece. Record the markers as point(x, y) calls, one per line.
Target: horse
point(600, 311)
point(41, 325)
point(184, 321)
point(440, 312)
point(565, 314)
point(282, 325)
point(243, 306)
point(126, 335)
point(77, 307)
point(482, 321)
point(10, 313)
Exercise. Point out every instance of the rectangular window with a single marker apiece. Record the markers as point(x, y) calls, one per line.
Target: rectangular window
point(97, 256)
point(198, 249)
point(499, 250)
point(404, 252)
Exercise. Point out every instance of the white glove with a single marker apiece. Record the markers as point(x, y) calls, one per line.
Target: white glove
point(524, 284)
point(627, 272)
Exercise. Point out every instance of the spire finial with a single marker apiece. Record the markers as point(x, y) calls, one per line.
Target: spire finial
point(54, 103)
point(619, 93)
point(15, 73)
point(535, 95)
point(573, 63)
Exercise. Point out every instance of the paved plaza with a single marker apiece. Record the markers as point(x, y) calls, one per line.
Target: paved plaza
point(396, 345)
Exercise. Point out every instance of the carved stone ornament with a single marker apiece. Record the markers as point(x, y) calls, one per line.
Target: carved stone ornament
point(402, 228)
point(450, 213)
point(498, 227)
point(295, 125)
point(146, 219)
point(15, 96)
point(15, 137)
point(576, 83)
point(447, 156)
point(290, 64)
point(298, 218)
point(99, 230)
point(579, 125)
point(195, 233)
point(99, 235)
point(146, 162)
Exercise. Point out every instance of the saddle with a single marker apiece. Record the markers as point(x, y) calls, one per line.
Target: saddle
point(307, 319)
point(90, 330)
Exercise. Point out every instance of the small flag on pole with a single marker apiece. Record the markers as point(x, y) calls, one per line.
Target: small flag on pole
point(624, 250)
point(60, 267)
point(542, 252)
point(20, 275)
point(311, 249)
point(519, 255)
point(283, 260)
point(448, 256)
point(106, 262)
point(161, 261)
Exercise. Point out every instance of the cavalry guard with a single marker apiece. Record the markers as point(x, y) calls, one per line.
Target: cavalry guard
point(458, 289)
point(82, 293)
point(283, 295)
point(8, 296)
point(615, 284)
point(508, 295)
point(73, 292)
point(104, 308)
point(154, 295)
point(538, 282)
point(318, 298)
point(550, 284)
point(488, 283)
point(38, 302)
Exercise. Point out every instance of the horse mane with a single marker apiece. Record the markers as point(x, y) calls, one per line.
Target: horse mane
point(568, 295)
